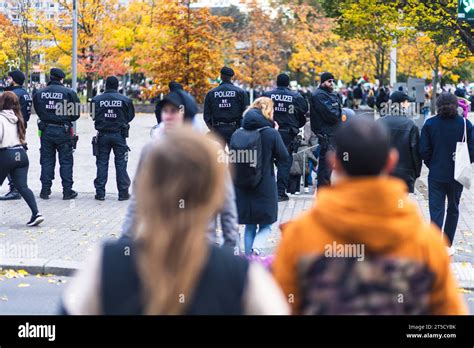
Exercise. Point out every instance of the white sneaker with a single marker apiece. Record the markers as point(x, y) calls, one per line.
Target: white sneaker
point(451, 250)
point(306, 190)
point(297, 192)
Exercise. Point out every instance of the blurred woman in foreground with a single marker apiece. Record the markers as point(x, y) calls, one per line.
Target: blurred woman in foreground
point(171, 268)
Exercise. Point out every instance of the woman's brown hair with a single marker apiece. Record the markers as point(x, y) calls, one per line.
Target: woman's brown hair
point(9, 101)
point(179, 188)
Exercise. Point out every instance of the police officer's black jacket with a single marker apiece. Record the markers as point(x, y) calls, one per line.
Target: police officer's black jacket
point(326, 111)
point(290, 108)
point(56, 104)
point(405, 137)
point(25, 101)
point(225, 103)
point(112, 111)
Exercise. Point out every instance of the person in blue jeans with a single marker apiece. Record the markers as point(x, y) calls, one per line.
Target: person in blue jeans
point(439, 136)
point(259, 206)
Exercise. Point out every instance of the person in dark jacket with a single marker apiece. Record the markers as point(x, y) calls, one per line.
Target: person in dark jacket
point(57, 108)
point(224, 106)
point(170, 268)
point(173, 86)
point(325, 116)
point(177, 109)
point(290, 109)
point(113, 113)
point(439, 136)
point(358, 95)
point(405, 137)
point(15, 80)
point(259, 206)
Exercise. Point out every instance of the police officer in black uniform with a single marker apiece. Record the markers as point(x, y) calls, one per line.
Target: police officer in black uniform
point(224, 106)
point(325, 116)
point(15, 81)
point(57, 107)
point(290, 109)
point(112, 114)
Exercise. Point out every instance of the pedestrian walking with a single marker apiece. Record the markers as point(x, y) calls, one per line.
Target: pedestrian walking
point(13, 157)
point(439, 137)
point(113, 113)
point(171, 268)
point(405, 137)
point(364, 248)
point(255, 186)
point(57, 107)
point(15, 81)
point(290, 109)
point(326, 112)
point(224, 106)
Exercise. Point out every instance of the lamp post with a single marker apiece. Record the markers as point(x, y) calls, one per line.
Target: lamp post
point(74, 51)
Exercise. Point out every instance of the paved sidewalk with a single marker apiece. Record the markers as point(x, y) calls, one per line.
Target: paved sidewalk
point(73, 228)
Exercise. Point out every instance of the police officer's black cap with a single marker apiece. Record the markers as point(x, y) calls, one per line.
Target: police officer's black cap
point(57, 73)
point(111, 82)
point(174, 86)
point(17, 76)
point(325, 76)
point(400, 97)
point(283, 80)
point(180, 98)
point(226, 71)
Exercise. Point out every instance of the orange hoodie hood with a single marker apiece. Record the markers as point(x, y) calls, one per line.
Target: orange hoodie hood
point(374, 211)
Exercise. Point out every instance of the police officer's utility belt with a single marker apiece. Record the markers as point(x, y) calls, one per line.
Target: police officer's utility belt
point(57, 125)
point(109, 131)
point(221, 123)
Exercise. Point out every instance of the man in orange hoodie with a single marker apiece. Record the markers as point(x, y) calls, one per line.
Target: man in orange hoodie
point(364, 247)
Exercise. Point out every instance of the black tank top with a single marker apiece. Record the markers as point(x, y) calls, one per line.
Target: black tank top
point(219, 290)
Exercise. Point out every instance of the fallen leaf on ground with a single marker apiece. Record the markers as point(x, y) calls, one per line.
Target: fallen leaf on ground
point(465, 291)
point(23, 285)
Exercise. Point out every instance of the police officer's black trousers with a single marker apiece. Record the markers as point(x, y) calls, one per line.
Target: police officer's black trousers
point(106, 143)
point(14, 163)
point(225, 131)
point(324, 170)
point(283, 167)
point(56, 139)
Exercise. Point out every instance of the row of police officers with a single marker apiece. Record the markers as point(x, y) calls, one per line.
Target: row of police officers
point(224, 107)
point(58, 107)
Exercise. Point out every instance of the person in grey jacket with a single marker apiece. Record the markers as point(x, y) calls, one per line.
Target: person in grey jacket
point(176, 108)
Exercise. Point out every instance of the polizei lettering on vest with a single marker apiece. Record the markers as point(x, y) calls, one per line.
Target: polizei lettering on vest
point(282, 98)
point(224, 94)
point(51, 95)
point(37, 331)
point(110, 103)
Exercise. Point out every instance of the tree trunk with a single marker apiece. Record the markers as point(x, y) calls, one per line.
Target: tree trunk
point(435, 85)
point(89, 86)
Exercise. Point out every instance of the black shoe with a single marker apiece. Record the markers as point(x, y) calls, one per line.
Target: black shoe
point(69, 195)
point(35, 220)
point(99, 198)
point(124, 197)
point(44, 194)
point(283, 198)
point(10, 196)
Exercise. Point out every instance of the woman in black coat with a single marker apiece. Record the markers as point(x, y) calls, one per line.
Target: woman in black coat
point(259, 206)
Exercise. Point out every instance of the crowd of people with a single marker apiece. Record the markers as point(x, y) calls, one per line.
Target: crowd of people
point(364, 248)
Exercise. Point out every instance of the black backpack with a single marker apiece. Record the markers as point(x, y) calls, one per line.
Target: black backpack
point(248, 166)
